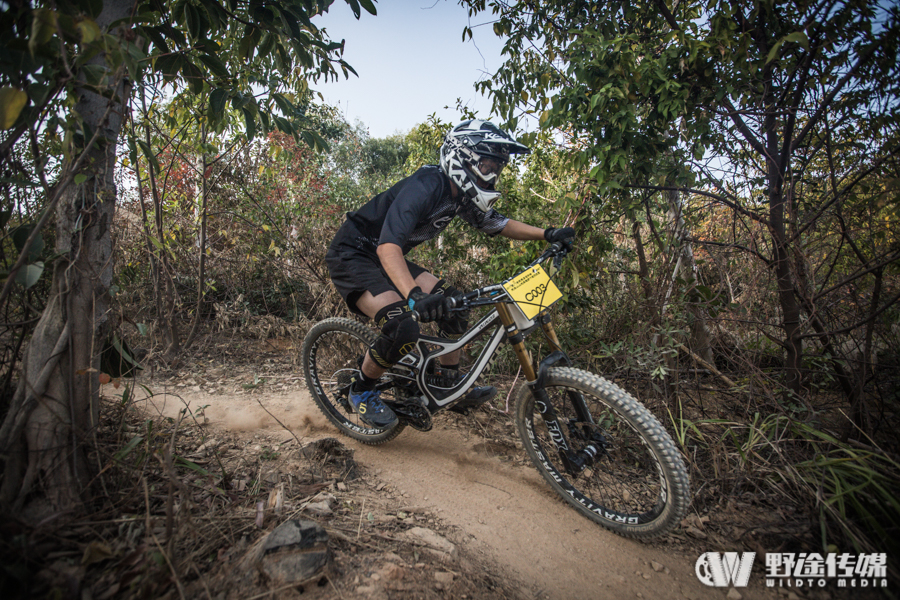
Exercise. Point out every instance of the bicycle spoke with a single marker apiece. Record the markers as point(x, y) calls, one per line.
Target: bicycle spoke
point(620, 468)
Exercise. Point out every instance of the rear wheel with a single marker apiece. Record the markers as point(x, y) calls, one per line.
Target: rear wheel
point(621, 469)
point(331, 354)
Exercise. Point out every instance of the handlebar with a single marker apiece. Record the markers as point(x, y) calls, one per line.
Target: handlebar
point(483, 296)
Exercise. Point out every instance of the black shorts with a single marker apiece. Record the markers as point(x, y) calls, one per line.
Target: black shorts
point(355, 272)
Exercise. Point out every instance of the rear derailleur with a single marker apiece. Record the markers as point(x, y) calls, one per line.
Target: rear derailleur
point(408, 407)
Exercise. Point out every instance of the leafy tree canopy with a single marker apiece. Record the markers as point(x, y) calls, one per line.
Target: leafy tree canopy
point(635, 82)
point(256, 57)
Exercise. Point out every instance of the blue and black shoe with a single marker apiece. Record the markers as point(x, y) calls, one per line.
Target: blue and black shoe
point(371, 410)
point(446, 378)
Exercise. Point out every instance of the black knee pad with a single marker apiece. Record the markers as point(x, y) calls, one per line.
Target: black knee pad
point(456, 323)
point(399, 333)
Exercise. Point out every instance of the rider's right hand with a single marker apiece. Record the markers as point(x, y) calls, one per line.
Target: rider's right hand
point(430, 307)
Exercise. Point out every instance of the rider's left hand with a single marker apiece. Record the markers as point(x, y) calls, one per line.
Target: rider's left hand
point(563, 235)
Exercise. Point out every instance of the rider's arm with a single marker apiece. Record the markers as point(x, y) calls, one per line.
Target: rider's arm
point(394, 264)
point(516, 230)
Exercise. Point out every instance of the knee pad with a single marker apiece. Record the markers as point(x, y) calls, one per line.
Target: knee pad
point(456, 323)
point(399, 333)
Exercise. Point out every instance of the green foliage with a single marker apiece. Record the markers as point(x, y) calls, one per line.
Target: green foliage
point(760, 108)
point(363, 166)
point(852, 489)
point(641, 92)
point(424, 142)
point(266, 201)
point(855, 491)
point(221, 53)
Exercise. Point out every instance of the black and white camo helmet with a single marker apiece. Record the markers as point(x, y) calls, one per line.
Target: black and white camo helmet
point(472, 156)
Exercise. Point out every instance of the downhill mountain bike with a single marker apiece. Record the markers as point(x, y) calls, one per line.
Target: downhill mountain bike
point(599, 448)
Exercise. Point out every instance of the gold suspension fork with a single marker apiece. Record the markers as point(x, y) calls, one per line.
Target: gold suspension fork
point(548, 413)
point(547, 326)
point(518, 341)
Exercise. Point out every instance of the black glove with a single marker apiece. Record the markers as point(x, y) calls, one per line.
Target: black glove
point(454, 322)
point(563, 235)
point(430, 307)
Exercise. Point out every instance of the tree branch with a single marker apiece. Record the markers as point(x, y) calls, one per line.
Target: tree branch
point(858, 324)
point(756, 253)
point(733, 205)
point(838, 195)
point(735, 116)
point(825, 104)
point(667, 15)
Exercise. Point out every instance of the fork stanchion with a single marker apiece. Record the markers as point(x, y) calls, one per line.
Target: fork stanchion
point(518, 346)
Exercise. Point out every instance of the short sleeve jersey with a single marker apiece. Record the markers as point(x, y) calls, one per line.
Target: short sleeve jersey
point(413, 211)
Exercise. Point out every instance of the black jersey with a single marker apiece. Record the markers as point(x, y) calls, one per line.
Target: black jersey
point(413, 211)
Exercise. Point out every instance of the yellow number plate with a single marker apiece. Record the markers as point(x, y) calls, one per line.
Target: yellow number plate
point(532, 290)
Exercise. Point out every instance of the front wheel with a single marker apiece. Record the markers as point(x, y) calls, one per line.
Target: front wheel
point(605, 454)
point(332, 354)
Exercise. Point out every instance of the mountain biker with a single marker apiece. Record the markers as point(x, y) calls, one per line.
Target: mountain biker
point(367, 265)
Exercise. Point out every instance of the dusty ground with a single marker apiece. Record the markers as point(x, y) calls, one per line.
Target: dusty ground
point(467, 480)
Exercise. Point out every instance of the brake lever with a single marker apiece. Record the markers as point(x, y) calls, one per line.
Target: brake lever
point(458, 304)
point(559, 251)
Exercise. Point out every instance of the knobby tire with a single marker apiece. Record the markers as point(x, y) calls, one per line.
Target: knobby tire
point(638, 487)
point(331, 352)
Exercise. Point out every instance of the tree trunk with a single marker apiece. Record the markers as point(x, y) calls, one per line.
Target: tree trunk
point(201, 241)
point(643, 268)
point(790, 307)
point(48, 429)
point(700, 335)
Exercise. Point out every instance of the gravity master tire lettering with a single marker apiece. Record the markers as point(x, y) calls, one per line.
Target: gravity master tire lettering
point(331, 353)
point(637, 486)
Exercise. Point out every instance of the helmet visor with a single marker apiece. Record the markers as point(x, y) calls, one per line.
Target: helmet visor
point(489, 170)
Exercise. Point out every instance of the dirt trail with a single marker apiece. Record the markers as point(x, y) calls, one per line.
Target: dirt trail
point(504, 509)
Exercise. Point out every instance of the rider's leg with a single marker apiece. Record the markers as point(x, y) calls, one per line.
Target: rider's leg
point(389, 312)
point(398, 335)
point(372, 305)
point(429, 283)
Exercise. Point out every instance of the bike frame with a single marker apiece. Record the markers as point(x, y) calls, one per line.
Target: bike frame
point(418, 362)
point(508, 324)
point(505, 325)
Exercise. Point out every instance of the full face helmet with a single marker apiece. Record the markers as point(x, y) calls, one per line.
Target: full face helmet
point(472, 156)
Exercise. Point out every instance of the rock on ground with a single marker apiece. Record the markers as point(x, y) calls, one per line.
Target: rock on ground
point(295, 552)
